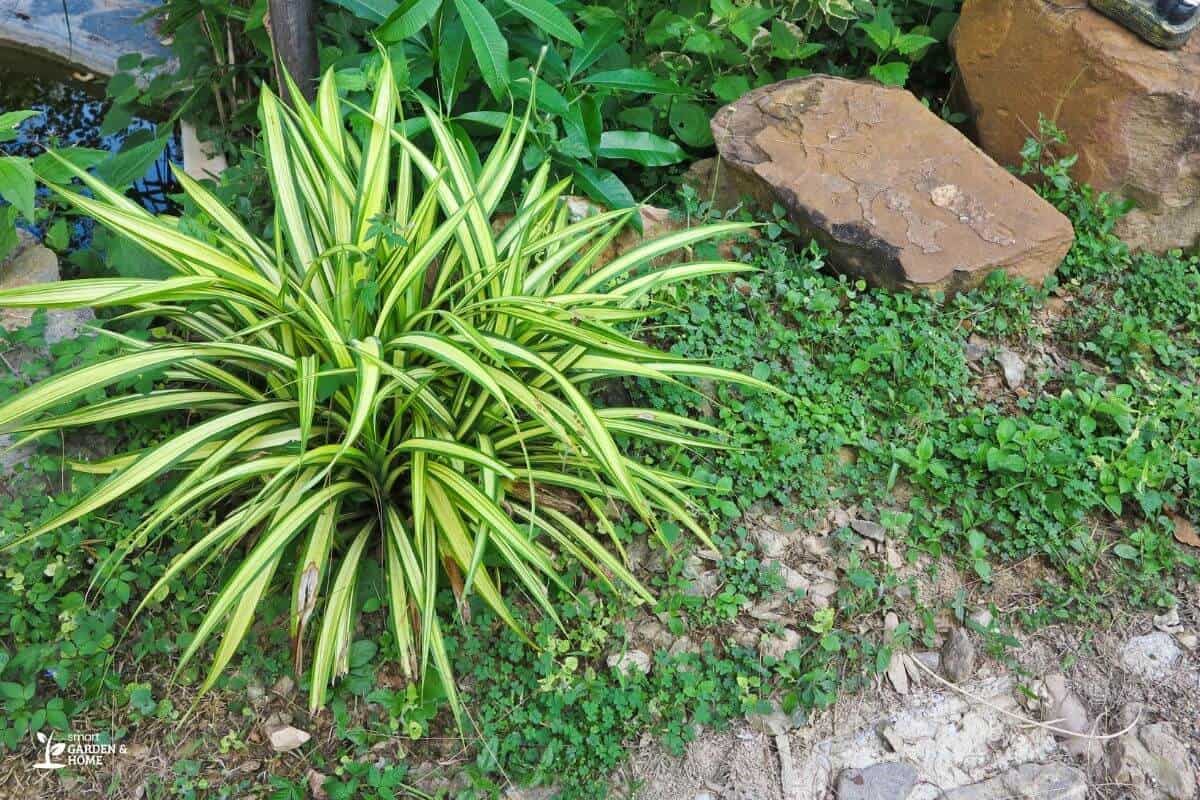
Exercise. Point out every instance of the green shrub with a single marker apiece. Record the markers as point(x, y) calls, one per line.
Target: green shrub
point(398, 381)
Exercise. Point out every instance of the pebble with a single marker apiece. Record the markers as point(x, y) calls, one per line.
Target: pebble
point(871, 530)
point(1013, 366)
point(778, 647)
point(682, 645)
point(893, 780)
point(975, 349)
point(930, 659)
point(817, 546)
point(772, 543)
point(629, 661)
point(897, 673)
point(792, 579)
point(775, 723)
point(1152, 656)
point(1027, 782)
point(705, 584)
point(982, 617)
point(1065, 710)
point(316, 785)
point(1168, 621)
point(654, 632)
point(256, 694)
point(958, 656)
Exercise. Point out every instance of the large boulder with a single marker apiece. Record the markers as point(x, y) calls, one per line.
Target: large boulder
point(1131, 111)
point(896, 195)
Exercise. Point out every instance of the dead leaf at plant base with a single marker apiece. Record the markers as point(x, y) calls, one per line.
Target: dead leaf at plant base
point(1185, 532)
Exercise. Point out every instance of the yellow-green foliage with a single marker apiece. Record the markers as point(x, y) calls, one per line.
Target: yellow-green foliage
point(399, 376)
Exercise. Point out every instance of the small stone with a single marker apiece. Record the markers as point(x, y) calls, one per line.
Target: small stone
point(745, 637)
point(629, 661)
point(975, 349)
point(890, 621)
point(1013, 366)
point(897, 674)
point(137, 751)
point(202, 159)
point(772, 542)
point(792, 579)
point(1188, 640)
point(705, 584)
point(824, 588)
point(636, 554)
point(1151, 763)
point(703, 796)
point(1152, 656)
point(916, 676)
point(981, 617)
point(256, 694)
point(893, 780)
point(31, 264)
point(765, 611)
point(284, 687)
point(1027, 782)
point(530, 793)
point(775, 723)
point(958, 656)
point(930, 659)
point(285, 738)
point(871, 530)
point(778, 647)
point(683, 645)
point(817, 546)
point(1168, 621)
point(654, 632)
point(1065, 710)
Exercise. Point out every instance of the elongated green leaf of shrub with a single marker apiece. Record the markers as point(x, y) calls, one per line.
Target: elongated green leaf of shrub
point(487, 43)
point(153, 463)
point(548, 18)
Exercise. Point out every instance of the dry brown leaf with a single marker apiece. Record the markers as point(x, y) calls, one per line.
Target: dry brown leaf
point(1185, 532)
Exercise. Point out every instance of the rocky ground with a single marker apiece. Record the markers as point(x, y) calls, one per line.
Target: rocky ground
point(1073, 712)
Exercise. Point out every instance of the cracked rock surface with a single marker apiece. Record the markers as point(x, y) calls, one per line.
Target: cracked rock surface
point(896, 195)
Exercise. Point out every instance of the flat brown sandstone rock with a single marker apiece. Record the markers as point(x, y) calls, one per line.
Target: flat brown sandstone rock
point(1130, 111)
point(896, 195)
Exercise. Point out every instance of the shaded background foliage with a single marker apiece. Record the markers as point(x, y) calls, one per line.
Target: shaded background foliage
point(626, 91)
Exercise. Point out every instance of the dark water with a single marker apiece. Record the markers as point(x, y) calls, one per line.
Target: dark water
point(71, 115)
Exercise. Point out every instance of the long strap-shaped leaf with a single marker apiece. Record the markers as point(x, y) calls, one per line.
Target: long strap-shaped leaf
point(156, 461)
point(55, 391)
